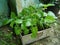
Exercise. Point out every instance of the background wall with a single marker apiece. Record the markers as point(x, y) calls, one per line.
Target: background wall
point(4, 11)
point(20, 4)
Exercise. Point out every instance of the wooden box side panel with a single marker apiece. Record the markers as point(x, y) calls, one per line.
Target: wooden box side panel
point(40, 35)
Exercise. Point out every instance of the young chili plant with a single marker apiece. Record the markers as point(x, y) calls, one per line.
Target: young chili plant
point(31, 19)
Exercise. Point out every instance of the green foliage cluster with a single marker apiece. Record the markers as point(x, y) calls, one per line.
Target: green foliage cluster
point(31, 19)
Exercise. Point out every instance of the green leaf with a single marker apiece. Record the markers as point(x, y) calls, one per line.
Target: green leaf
point(18, 21)
point(24, 28)
point(26, 31)
point(28, 22)
point(34, 31)
point(7, 21)
point(13, 15)
point(38, 15)
point(50, 5)
point(41, 22)
point(17, 30)
point(20, 14)
point(41, 13)
point(50, 13)
point(49, 19)
point(47, 5)
point(25, 11)
point(41, 5)
point(12, 24)
point(45, 14)
point(34, 21)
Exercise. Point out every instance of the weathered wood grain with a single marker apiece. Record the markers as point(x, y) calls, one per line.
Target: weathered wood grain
point(40, 35)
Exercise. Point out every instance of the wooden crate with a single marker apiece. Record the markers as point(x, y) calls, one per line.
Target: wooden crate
point(40, 35)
